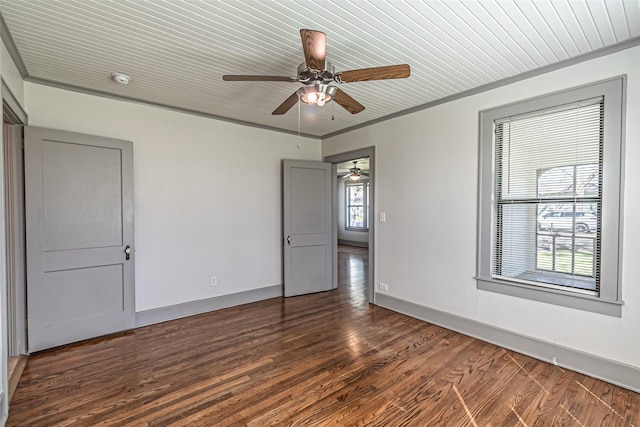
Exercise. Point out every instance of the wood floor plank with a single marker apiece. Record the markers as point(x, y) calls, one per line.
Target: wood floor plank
point(313, 360)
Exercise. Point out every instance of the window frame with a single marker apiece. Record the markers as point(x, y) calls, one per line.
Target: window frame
point(609, 301)
point(365, 205)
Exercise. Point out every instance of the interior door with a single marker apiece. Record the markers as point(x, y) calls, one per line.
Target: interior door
point(308, 261)
point(79, 222)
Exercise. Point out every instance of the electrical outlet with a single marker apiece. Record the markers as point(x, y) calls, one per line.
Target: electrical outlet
point(214, 280)
point(384, 286)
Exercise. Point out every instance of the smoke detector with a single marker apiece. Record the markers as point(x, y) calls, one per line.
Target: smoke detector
point(123, 79)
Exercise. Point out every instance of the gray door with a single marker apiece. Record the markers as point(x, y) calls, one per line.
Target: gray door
point(79, 221)
point(307, 227)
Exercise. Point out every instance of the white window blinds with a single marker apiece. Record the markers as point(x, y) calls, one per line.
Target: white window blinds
point(546, 202)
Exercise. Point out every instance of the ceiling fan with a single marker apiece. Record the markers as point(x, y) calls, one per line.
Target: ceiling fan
point(355, 173)
point(316, 74)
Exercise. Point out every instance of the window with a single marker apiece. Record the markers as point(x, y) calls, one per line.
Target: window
point(568, 236)
point(357, 206)
point(550, 198)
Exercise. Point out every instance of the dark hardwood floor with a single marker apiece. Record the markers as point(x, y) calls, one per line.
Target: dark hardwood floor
point(315, 360)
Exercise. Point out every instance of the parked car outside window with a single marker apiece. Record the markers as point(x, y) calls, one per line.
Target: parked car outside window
point(564, 220)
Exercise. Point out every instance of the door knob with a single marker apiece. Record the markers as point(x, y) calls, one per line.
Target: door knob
point(289, 239)
point(127, 252)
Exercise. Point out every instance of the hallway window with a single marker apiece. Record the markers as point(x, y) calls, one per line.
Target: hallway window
point(357, 206)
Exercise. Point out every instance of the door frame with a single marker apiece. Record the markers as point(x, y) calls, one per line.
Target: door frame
point(14, 226)
point(13, 295)
point(369, 152)
point(16, 303)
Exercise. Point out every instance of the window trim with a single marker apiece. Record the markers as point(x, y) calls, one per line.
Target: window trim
point(609, 301)
point(365, 205)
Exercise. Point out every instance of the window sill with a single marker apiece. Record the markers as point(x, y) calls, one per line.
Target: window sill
point(356, 229)
point(552, 296)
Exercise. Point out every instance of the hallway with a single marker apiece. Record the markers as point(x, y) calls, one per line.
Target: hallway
point(353, 273)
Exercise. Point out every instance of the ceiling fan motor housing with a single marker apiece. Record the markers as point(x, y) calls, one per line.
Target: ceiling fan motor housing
point(308, 76)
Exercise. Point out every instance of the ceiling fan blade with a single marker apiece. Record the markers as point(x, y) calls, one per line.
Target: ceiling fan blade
point(314, 44)
point(347, 102)
point(286, 105)
point(376, 73)
point(241, 78)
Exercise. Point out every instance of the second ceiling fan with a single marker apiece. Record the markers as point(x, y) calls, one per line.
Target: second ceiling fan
point(355, 173)
point(316, 74)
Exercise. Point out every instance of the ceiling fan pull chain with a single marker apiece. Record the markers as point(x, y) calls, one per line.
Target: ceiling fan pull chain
point(299, 144)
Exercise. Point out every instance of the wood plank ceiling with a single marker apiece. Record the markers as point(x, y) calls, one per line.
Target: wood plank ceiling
point(177, 51)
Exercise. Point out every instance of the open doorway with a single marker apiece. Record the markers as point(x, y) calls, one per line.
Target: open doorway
point(354, 180)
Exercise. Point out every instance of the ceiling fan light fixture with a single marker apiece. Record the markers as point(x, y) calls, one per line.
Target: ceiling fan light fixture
point(354, 176)
point(317, 94)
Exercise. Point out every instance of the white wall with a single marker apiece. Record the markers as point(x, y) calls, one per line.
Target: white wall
point(353, 236)
point(426, 250)
point(207, 193)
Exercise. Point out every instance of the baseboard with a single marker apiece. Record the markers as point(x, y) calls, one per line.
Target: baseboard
point(617, 373)
point(16, 373)
point(163, 314)
point(353, 243)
